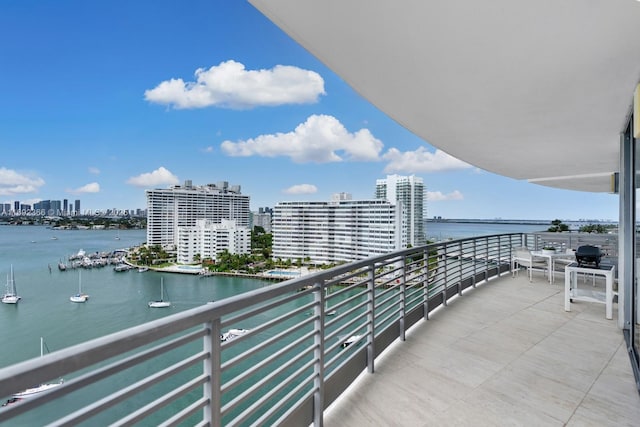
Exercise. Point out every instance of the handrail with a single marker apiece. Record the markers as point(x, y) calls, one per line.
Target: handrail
point(294, 341)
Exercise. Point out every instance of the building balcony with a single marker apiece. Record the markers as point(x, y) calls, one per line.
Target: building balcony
point(442, 334)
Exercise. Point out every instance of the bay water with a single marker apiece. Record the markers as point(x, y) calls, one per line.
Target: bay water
point(118, 300)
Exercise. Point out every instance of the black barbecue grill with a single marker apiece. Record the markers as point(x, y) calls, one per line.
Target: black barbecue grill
point(588, 256)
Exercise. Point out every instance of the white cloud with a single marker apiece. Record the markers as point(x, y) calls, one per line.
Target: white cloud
point(320, 139)
point(13, 183)
point(231, 85)
point(438, 196)
point(160, 176)
point(93, 187)
point(94, 171)
point(421, 161)
point(208, 149)
point(301, 189)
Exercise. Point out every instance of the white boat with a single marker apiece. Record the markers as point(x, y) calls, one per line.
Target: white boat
point(142, 269)
point(80, 296)
point(161, 302)
point(30, 392)
point(232, 334)
point(122, 267)
point(352, 339)
point(10, 296)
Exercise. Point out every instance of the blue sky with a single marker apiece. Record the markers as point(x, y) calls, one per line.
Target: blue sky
point(102, 100)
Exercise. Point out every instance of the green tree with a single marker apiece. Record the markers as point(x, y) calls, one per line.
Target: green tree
point(557, 226)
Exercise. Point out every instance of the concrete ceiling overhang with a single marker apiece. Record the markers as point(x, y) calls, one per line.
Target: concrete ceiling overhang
point(537, 90)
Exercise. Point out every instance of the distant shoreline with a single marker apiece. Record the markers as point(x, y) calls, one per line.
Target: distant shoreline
point(514, 221)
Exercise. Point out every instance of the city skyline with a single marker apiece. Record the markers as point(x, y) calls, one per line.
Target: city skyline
point(145, 95)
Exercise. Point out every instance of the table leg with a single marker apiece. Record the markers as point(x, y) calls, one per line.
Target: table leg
point(609, 296)
point(567, 290)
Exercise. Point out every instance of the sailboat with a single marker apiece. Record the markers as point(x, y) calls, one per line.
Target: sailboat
point(80, 296)
point(30, 392)
point(161, 302)
point(10, 296)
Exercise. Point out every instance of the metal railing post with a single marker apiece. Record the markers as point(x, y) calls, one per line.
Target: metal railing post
point(370, 318)
point(475, 264)
point(402, 301)
point(212, 368)
point(425, 286)
point(446, 276)
point(318, 354)
point(460, 261)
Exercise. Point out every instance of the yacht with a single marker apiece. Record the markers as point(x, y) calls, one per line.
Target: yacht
point(232, 334)
point(161, 303)
point(31, 392)
point(10, 296)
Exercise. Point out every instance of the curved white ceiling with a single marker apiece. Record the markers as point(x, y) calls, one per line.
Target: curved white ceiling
point(526, 89)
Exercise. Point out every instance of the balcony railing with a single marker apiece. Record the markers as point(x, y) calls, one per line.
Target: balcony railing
point(308, 338)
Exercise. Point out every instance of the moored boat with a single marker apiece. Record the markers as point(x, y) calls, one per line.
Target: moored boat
point(161, 303)
point(11, 296)
point(31, 392)
point(121, 267)
point(232, 334)
point(80, 296)
point(352, 339)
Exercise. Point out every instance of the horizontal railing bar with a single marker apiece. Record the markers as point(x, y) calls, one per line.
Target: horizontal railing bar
point(264, 344)
point(125, 393)
point(383, 311)
point(382, 293)
point(269, 413)
point(341, 328)
point(388, 297)
point(255, 387)
point(393, 315)
point(261, 309)
point(74, 384)
point(151, 407)
point(337, 318)
point(239, 378)
point(185, 413)
point(273, 391)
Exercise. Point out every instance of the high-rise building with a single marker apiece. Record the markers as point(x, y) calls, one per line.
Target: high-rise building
point(55, 208)
point(76, 207)
point(182, 206)
point(335, 231)
point(65, 207)
point(408, 192)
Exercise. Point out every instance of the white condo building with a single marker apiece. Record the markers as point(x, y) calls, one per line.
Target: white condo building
point(207, 239)
point(408, 191)
point(181, 206)
point(335, 231)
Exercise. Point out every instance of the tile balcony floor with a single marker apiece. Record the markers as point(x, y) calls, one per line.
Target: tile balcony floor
point(504, 354)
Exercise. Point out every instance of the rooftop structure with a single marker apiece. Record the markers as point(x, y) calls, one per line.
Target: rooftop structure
point(183, 205)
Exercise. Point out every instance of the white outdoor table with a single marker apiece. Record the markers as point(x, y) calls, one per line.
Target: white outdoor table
point(551, 260)
point(571, 290)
